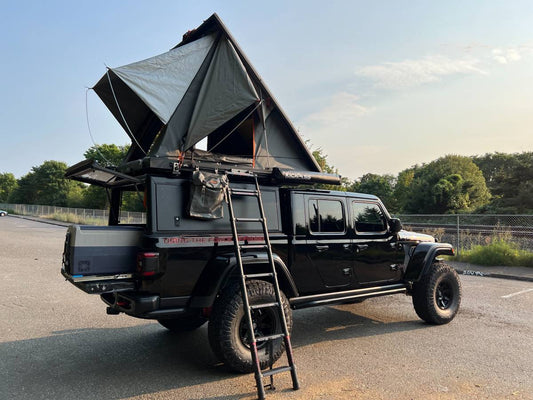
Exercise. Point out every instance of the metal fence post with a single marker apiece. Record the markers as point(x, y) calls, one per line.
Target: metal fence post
point(458, 236)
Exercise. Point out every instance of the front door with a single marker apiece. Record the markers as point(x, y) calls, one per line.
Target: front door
point(378, 257)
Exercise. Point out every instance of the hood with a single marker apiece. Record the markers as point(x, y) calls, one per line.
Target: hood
point(407, 236)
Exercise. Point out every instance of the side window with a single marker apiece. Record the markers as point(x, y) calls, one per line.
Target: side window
point(326, 216)
point(368, 217)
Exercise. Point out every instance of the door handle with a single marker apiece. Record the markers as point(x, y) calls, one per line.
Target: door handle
point(347, 247)
point(396, 246)
point(321, 247)
point(360, 247)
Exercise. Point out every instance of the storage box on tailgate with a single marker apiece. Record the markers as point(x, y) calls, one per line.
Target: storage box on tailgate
point(101, 250)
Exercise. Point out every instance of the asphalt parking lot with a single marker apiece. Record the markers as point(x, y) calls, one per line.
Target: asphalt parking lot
point(56, 342)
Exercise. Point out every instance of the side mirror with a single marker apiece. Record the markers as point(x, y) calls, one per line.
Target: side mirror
point(395, 225)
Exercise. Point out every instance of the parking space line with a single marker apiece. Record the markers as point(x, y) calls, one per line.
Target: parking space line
point(516, 293)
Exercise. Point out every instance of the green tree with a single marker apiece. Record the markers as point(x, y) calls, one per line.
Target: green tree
point(8, 184)
point(24, 193)
point(402, 189)
point(107, 154)
point(95, 197)
point(509, 178)
point(133, 201)
point(46, 184)
point(322, 161)
point(450, 184)
point(378, 185)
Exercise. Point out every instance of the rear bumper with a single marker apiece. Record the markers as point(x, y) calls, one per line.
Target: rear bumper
point(98, 284)
point(146, 306)
point(118, 292)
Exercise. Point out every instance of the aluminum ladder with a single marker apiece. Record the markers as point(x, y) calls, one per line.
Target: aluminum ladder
point(271, 274)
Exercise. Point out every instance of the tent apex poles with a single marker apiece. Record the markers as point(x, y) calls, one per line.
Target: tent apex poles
point(122, 115)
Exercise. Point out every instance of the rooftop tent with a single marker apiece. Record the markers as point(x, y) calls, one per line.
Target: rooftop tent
point(203, 88)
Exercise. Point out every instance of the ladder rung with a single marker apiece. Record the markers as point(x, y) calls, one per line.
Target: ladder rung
point(253, 246)
point(243, 192)
point(276, 370)
point(261, 275)
point(248, 219)
point(269, 337)
point(264, 305)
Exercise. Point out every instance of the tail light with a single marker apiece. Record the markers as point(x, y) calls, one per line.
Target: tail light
point(148, 264)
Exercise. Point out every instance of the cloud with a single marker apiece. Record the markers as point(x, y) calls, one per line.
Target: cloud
point(411, 73)
point(342, 107)
point(506, 56)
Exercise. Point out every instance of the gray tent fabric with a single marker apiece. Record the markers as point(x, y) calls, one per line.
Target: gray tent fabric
point(161, 81)
point(275, 149)
point(139, 122)
point(171, 139)
point(225, 92)
point(203, 87)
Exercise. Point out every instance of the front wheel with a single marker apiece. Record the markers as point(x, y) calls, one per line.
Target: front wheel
point(229, 335)
point(437, 296)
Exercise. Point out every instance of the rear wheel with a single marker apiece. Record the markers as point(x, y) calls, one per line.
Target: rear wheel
point(437, 296)
point(229, 335)
point(183, 324)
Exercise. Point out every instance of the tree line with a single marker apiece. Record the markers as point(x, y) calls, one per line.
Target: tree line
point(492, 183)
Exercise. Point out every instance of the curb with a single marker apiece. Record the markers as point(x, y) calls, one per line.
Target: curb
point(43, 220)
point(492, 275)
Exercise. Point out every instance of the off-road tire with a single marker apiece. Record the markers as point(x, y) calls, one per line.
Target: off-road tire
point(437, 296)
point(183, 324)
point(227, 326)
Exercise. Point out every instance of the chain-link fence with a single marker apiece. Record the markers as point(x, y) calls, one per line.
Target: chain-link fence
point(461, 230)
point(467, 230)
point(74, 215)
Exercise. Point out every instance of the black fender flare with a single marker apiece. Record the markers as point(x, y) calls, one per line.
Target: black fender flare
point(224, 267)
point(422, 258)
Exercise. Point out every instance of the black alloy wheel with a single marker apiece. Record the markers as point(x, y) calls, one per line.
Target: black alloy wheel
point(444, 295)
point(265, 323)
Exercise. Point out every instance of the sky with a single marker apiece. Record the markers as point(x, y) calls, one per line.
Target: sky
point(379, 86)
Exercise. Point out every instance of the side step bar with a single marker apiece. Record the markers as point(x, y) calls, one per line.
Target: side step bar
point(346, 296)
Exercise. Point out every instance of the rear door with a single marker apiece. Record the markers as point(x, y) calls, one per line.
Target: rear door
point(328, 244)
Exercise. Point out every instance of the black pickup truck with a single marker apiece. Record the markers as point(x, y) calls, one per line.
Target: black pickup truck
point(329, 247)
